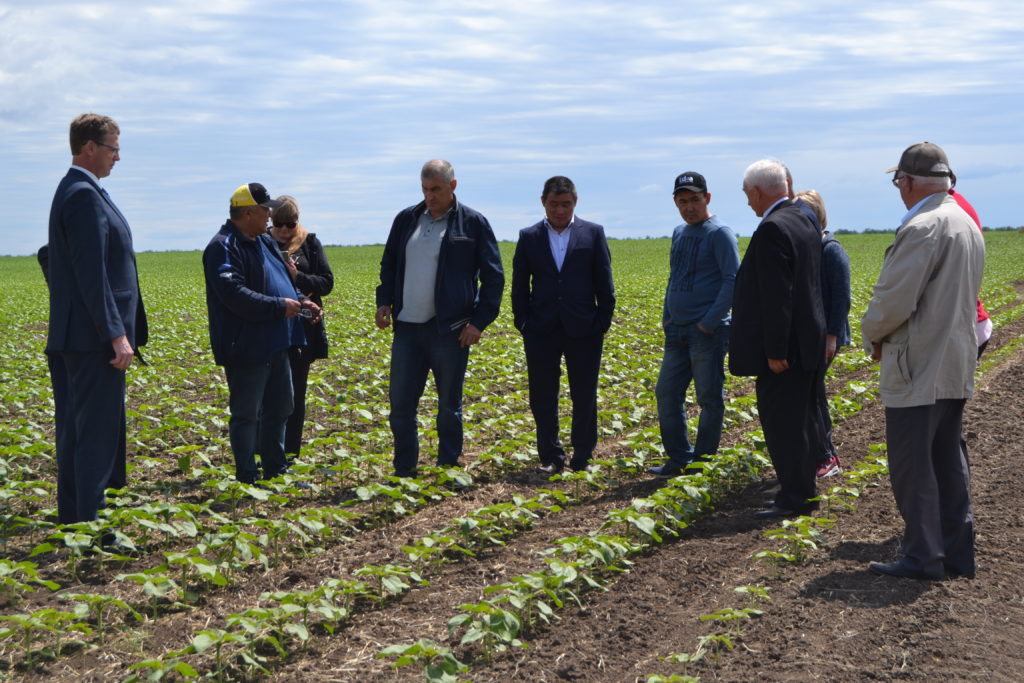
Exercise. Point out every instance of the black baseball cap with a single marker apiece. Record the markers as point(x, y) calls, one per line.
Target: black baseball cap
point(690, 181)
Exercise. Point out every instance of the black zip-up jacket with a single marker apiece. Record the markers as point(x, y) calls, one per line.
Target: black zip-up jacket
point(469, 253)
point(315, 279)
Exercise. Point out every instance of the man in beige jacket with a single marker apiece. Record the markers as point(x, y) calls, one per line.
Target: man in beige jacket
point(920, 324)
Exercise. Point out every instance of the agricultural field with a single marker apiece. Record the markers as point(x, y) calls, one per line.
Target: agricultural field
point(604, 576)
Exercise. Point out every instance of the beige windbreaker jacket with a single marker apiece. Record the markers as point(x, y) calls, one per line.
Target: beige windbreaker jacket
point(924, 304)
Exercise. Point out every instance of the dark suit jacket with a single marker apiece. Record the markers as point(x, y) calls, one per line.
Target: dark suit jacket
point(581, 296)
point(777, 310)
point(94, 286)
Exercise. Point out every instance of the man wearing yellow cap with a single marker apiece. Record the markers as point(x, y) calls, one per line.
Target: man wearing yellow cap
point(254, 312)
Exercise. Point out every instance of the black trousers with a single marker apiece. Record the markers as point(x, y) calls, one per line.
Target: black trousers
point(544, 353)
point(787, 403)
point(931, 482)
point(88, 397)
point(828, 449)
point(299, 360)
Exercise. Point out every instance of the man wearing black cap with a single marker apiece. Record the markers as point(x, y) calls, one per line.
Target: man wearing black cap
point(702, 271)
point(921, 324)
point(254, 307)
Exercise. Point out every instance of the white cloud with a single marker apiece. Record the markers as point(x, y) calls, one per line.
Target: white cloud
point(340, 102)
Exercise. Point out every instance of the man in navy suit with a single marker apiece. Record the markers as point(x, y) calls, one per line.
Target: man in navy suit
point(562, 301)
point(778, 333)
point(97, 322)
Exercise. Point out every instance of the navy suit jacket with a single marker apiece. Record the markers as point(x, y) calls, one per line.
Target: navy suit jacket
point(581, 296)
point(777, 310)
point(94, 285)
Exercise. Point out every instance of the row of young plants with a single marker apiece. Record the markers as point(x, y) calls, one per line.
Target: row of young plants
point(195, 568)
point(512, 610)
point(234, 549)
point(577, 564)
point(494, 524)
point(489, 526)
point(252, 638)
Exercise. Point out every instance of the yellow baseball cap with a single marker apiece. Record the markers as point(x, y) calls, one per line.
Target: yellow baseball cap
point(253, 194)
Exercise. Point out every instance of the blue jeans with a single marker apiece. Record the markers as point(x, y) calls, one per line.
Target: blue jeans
point(692, 355)
point(261, 401)
point(416, 349)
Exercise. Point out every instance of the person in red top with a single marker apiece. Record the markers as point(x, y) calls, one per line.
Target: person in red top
point(984, 329)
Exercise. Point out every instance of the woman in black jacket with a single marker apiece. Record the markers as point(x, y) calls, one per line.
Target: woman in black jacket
point(307, 263)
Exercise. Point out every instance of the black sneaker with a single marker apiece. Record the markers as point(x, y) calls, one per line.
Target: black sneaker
point(551, 468)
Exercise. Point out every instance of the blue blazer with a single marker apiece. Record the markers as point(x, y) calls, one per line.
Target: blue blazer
point(581, 296)
point(94, 284)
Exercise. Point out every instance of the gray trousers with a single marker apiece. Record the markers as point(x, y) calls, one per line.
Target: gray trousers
point(931, 482)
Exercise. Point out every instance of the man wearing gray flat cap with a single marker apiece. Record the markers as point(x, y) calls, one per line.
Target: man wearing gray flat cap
point(921, 324)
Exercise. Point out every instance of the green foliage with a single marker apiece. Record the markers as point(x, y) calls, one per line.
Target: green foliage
point(799, 536)
point(18, 578)
point(438, 663)
point(196, 531)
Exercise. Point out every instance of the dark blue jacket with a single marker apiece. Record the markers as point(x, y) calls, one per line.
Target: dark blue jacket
point(468, 253)
point(835, 289)
point(243, 317)
point(94, 284)
point(581, 296)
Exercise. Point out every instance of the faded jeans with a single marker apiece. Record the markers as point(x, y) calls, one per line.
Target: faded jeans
point(692, 355)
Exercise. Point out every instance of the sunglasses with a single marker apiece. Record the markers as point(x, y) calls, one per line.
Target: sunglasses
point(290, 225)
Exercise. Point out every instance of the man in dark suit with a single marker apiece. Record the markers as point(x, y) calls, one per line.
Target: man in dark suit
point(779, 333)
point(562, 300)
point(97, 322)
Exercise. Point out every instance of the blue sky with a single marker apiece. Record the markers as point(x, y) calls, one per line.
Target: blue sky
point(340, 103)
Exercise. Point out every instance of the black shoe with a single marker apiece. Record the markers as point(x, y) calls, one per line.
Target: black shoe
point(665, 471)
point(296, 482)
point(454, 482)
point(551, 468)
point(953, 572)
point(900, 570)
point(581, 467)
point(108, 543)
point(774, 512)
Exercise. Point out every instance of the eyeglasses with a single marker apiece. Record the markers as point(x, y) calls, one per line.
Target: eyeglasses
point(896, 179)
point(290, 225)
point(115, 150)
